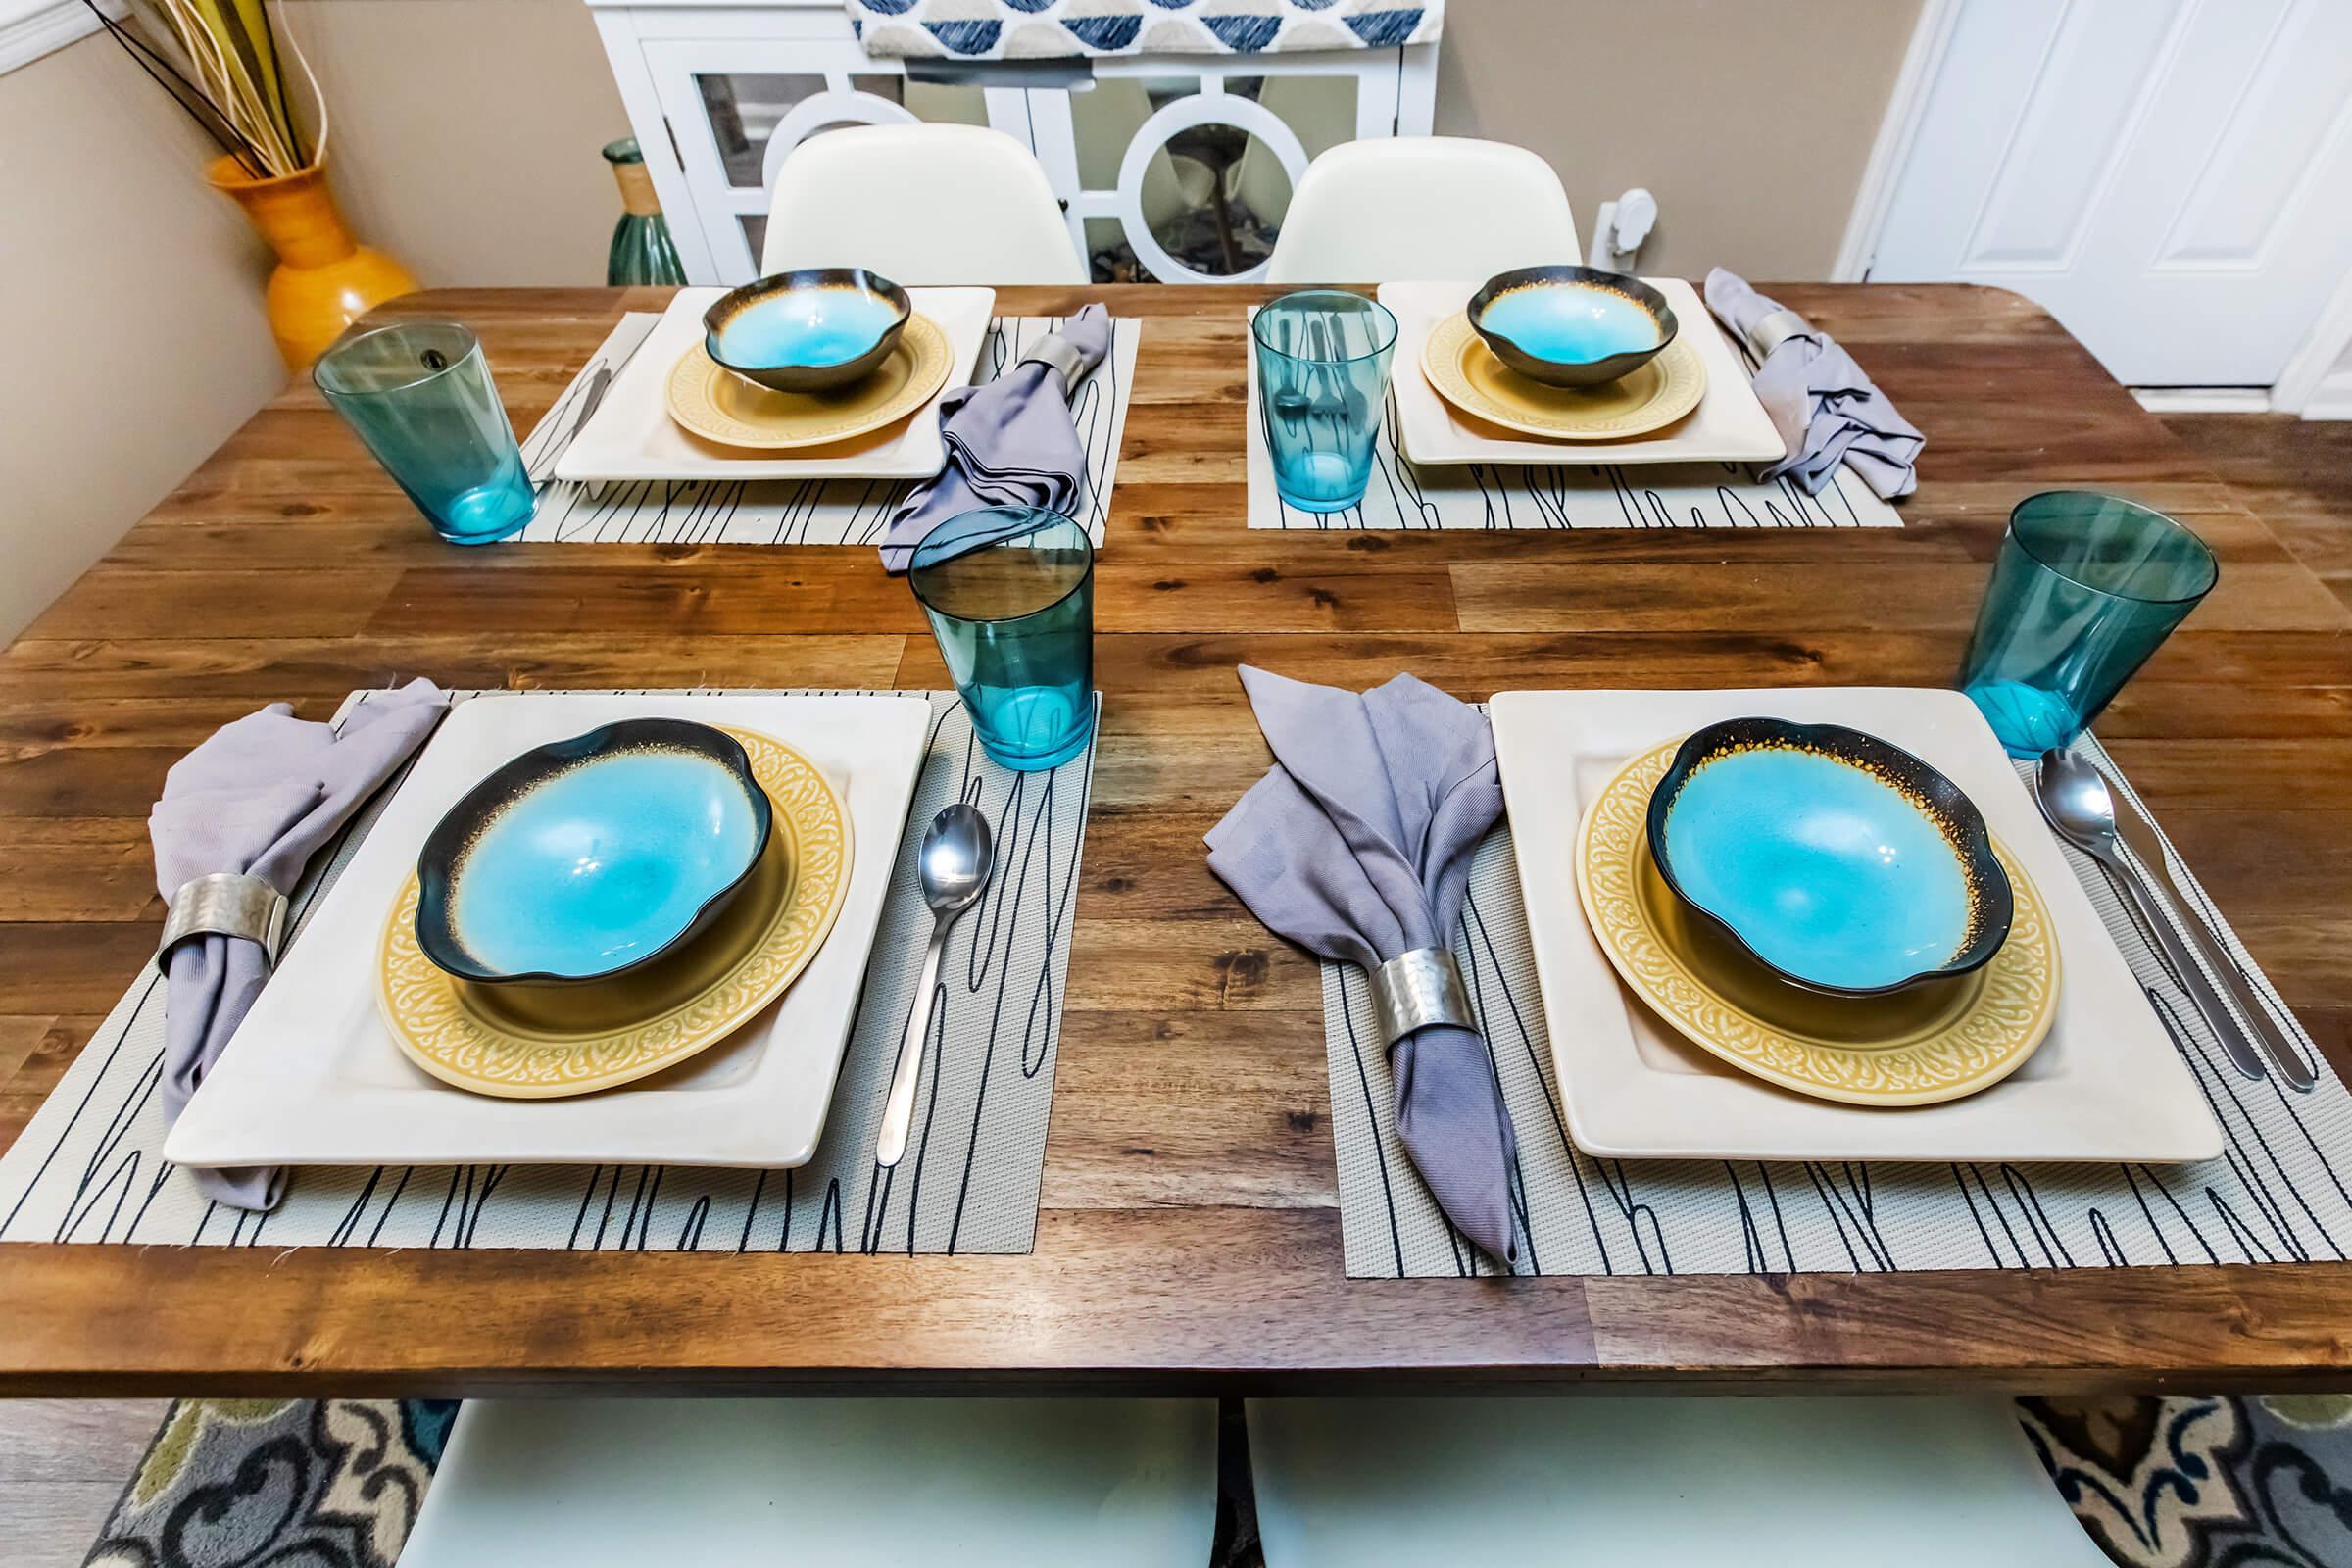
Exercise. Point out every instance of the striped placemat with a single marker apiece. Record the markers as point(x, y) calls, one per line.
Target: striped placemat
point(789, 512)
point(1499, 496)
point(89, 1167)
point(2277, 1194)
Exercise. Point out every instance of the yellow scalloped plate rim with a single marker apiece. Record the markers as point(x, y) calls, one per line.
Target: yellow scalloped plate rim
point(534, 1045)
point(712, 402)
point(1916, 1049)
point(1466, 373)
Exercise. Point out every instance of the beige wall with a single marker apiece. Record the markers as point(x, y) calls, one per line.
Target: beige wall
point(467, 133)
point(466, 140)
point(131, 311)
point(1748, 119)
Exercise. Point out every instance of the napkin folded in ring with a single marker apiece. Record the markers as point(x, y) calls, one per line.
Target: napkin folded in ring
point(1356, 845)
point(1010, 442)
point(259, 799)
point(1827, 410)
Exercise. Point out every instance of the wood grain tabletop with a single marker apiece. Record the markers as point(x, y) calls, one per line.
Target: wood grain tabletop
point(1190, 1234)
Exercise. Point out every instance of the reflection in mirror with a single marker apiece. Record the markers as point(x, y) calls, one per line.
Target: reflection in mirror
point(743, 109)
point(1234, 193)
point(1214, 196)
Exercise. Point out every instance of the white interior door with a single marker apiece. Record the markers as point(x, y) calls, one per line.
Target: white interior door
point(2171, 178)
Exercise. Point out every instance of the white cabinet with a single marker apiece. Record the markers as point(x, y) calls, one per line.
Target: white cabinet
point(1186, 162)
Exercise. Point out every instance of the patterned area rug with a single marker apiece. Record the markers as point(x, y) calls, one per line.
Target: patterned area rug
point(2184, 1482)
point(289, 1483)
point(2203, 1482)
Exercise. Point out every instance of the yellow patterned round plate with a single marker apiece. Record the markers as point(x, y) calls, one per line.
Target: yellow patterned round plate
point(715, 402)
point(1918, 1046)
point(1468, 375)
point(543, 1044)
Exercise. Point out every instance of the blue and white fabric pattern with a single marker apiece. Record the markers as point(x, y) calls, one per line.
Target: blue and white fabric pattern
point(1059, 30)
point(2201, 1480)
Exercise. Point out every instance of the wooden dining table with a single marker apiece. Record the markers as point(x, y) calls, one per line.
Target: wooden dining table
point(1189, 1239)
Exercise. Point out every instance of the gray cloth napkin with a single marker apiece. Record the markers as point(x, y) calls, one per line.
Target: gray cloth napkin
point(1825, 408)
point(260, 798)
point(1010, 441)
point(1357, 845)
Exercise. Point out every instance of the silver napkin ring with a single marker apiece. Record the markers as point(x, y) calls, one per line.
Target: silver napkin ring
point(1771, 331)
point(1062, 355)
point(1416, 988)
point(226, 903)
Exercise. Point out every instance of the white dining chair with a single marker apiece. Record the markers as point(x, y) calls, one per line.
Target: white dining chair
point(882, 1483)
point(919, 204)
point(1861, 1482)
point(1421, 209)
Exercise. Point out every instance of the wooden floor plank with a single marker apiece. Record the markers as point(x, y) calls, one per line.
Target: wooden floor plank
point(63, 1464)
point(2295, 474)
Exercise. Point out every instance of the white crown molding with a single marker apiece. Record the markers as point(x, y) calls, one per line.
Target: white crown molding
point(31, 28)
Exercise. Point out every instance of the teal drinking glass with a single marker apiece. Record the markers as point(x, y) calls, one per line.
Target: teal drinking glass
point(420, 395)
point(1011, 593)
point(1322, 390)
point(2084, 589)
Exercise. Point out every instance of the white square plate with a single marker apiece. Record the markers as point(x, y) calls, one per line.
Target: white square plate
point(1729, 425)
point(312, 1077)
point(2108, 1084)
point(631, 436)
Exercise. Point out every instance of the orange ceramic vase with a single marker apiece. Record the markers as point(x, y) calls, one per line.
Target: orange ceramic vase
point(324, 281)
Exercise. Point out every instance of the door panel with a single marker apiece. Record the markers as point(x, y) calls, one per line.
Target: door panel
point(2088, 88)
point(2240, 204)
point(2168, 178)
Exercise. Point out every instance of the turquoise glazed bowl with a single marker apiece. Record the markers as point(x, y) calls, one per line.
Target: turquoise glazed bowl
point(1572, 326)
point(1843, 862)
point(807, 331)
point(584, 859)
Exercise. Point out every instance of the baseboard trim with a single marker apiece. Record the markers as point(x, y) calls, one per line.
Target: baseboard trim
point(2331, 399)
point(2203, 399)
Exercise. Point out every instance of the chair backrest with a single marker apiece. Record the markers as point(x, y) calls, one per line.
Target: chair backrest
point(1423, 208)
point(919, 204)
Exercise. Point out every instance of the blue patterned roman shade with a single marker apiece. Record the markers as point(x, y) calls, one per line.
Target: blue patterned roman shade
point(1051, 30)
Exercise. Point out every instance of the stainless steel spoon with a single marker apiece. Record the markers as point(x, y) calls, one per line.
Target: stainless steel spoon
point(2074, 797)
point(957, 858)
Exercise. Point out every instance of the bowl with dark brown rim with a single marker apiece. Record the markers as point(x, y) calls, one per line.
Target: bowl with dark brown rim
point(810, 330)
point(1841, 862)
point(1572, 326)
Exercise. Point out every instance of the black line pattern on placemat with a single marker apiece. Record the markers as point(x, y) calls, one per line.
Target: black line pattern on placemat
point(1508, 496)
point(2277, 1194)
point(1511, 496)
point(828, 511)
point(1038, 820)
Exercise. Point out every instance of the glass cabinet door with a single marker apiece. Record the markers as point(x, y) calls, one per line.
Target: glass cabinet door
point(728, 104)
point(1174, 172)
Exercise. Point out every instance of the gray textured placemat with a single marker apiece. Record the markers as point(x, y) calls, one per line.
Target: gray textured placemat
point(794, 512)
point(2277, 1195)
point(89, 1167)
point(1496, 496)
